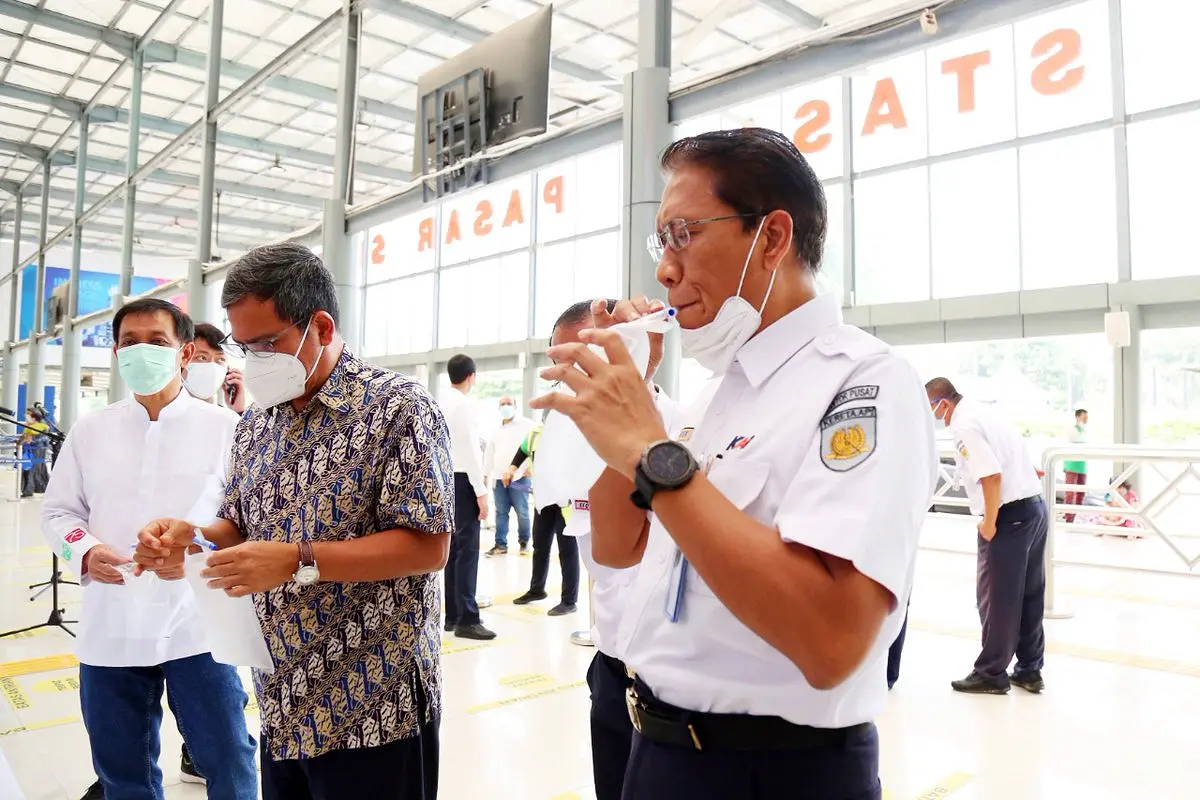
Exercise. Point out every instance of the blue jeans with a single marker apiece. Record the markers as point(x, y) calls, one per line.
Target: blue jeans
point(516, 497)
point(122, 711)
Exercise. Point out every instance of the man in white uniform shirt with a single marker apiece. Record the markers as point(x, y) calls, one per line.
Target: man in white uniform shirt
point(779, 553)
point(1003, 487)
point(470, 503)
point(163, 453)
point(512, 495)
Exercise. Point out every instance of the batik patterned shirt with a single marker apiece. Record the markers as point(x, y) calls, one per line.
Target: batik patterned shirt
point(356, 664)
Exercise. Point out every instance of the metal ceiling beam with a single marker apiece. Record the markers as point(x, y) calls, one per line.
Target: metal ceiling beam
point(75, 110)
point(469, 33)
point(115, 230)
point(784, 8)
point(162, 52)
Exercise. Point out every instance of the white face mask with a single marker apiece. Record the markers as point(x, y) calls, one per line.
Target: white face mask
point(939, 423)
point(507, 412)
point(714, 345)
point(204, 378)
point(274, 378)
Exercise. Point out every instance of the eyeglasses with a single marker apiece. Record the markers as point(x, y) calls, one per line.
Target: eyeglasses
point(261, 348)
point(676, 234)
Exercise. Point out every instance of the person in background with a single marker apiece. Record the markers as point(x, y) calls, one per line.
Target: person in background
point(336, 521)
point(470, 504)
point(1003, 487)
point(1076, 469)
point(513, 495)
point(1130, 498)
point(35, 453)
point(162, 452)
point(208, 377)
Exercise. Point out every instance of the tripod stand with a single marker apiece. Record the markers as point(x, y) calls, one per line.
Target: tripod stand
point(57, 614)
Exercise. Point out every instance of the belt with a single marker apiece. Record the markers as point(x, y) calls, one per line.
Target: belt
point(668, 724)
point(1024, 502)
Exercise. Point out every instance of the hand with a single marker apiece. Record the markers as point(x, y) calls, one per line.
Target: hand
point(509, 473)
point(251, 567)
point(162, 544)
point(483, 507)
point(100, 564)
point(235, 381)
point(611, 406)
point(628, 311)
point(986, 529)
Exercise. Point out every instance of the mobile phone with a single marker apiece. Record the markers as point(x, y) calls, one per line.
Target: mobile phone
point(230, 392)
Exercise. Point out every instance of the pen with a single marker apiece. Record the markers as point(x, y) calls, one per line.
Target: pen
point(199, 540)
point(656, 322)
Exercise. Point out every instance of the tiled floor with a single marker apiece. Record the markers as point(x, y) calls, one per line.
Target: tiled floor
point(1118, 719)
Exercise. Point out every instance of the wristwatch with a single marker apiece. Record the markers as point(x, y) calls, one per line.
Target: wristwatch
point(665, 465)
point(307, 573)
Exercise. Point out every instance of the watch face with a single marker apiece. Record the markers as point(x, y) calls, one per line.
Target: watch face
point(307, 575)
point(668, 463)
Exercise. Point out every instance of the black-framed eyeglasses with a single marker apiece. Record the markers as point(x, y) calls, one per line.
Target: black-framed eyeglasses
point(677, 234)
point(261, 348)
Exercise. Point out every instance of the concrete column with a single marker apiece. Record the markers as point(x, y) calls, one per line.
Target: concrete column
point(72, 354)
point(335, 242)
point(35, 381)
point(116, 387)
point(12, 377)
point(1127, 382)
point(197, 297)
point(12, 373)
point(646, 131)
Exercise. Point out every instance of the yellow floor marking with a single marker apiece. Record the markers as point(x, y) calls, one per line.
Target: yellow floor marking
point(68, 684)
point(508, 701)
point(252, 705)
point(887, 795)
point(522, 680)
point(945, 786)
point(450, 646)
point(29, 634)
point(567, 796)
point(518, 613)
point(10, 669)
point(15, 694)
point(1079, 651)
point(46, 723)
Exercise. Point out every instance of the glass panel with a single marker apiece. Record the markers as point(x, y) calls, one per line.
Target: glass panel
point(765, 112)
point(831, 276)
point(1068, 212)
point(580, 195)
point(484, 302)
point(974, 215)
point(1067, 75)
point(1162, 62)
point(972, 97)
point(891, 237)
point(1162, 161)
point(493, 220)
point(398, 317)
point(695, 125)
point(813, 118)
point(513, 299)
point(555, 289)
point(889, 113)
point(580, 269)
point(1170, 407)
point(401, 247)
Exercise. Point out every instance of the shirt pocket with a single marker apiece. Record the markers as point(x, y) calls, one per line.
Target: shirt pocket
point(741, 481)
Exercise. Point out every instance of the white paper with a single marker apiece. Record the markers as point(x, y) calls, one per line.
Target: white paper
point(230, 623)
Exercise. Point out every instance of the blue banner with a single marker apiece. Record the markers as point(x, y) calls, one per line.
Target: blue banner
point(96, 290)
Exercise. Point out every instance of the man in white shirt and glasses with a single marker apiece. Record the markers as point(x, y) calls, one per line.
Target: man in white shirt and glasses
point(163, 453)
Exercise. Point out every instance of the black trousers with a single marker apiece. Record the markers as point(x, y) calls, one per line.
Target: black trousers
point(462, 565)
point(1011, 591)
point(403, 770)
point(548, 525)
point(612, 732)
point(849, 771)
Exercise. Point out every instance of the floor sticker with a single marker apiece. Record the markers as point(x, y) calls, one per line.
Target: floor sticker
point(15, 694)
point(508, 701)
point(946, 786)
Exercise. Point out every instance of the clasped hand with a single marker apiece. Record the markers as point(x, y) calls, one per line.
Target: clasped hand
point(239, 570)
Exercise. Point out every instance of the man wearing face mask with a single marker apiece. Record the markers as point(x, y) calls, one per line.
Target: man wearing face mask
point(161, 453)
point(512, 494)
point(1003, 487)
point(777, 529)
point(208, 377)
point(336, 522)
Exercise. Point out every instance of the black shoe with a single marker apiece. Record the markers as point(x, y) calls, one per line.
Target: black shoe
point(525, 549)
point(476, 631)
point(187, 770)
point(450, 626)
point(978, 684)
point(94, 792)
point(562, 609)
point(497, 551)
point(530, 597)
point(1030, 681)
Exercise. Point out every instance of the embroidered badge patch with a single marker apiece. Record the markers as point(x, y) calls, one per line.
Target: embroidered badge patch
point(582, 505)
point(852, 394)
point(686, 434)
point(66, 552)
point(962, 451)
point(75, 535)
point(848, 438)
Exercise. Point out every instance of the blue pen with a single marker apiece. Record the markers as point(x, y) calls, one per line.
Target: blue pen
point(199, 540)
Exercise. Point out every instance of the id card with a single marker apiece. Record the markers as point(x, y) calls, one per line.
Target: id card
point(676, 583)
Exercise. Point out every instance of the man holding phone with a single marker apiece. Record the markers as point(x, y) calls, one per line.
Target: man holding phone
point(208, 377)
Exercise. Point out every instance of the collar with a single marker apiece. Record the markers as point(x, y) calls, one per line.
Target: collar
point(334, 394)
point(775, 345)
point(172, 409)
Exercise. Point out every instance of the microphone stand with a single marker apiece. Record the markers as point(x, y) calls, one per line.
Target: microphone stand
point(57, 618)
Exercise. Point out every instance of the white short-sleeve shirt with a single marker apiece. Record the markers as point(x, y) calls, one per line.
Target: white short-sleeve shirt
point(819, 430)
point(987, 444)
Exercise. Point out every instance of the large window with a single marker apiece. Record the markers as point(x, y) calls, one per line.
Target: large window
point(402, 247)
point(831, 276)
point(580, 196)
point(1164, 168)
point(891, 237)
point(890, 121)
point(399, 316)
point(484, 302)
point(974, 215)
point(972, 88)
point(1170, 401)
point(1162, 62)
point(579, 269)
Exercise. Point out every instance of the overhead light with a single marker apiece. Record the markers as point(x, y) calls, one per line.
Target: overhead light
point(277, 166)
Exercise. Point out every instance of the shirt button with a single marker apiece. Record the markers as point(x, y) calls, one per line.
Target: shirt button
point(829, 338)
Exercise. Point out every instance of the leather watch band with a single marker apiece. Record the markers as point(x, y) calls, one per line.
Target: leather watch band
point(306, 553)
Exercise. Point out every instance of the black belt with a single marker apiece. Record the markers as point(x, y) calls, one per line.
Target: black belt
point(1024, 502)
point(668, 724)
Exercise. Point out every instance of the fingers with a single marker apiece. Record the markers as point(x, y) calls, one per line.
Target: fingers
point(600, 316)
point(172, 573)
point(631, 309)
point(219, 570)
point(556, 401)
point(614, 348)
point(105, 574)
point(577, 353)
point(239, 591)
point(567, 373)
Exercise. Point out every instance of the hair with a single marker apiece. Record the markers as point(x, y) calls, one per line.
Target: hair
point(35, 415)
point(290, 275)
point(459, 368)
point(210, 334)
point(185, 330)
point(757, 171)
point(1079, 412)
point(580, 312)
point(943, 389)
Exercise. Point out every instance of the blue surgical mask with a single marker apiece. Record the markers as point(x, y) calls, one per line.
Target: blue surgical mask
point(507, 412)
point(147, 368)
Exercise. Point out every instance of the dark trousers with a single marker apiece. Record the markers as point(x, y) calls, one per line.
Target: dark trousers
point(1011, 591)
point(612, 732)
point(1074, 498)
point(462, 565)
point(894, 653)
point(849, 771)
point(403, 770)
point(547, 526)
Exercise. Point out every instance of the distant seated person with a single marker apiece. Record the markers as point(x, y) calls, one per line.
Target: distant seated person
point(1130, 498)
point(207, 376)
